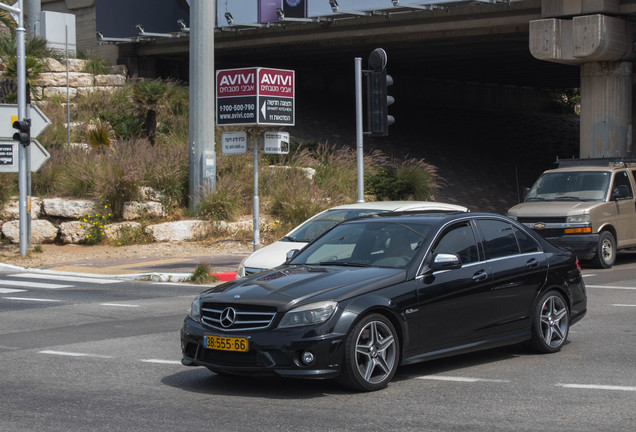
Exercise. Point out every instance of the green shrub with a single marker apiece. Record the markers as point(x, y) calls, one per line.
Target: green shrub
point(96, 225)
point(411, 179)
point(96, 66)
point(129, 235)
point(118, 176)
point(202, 275)
point(8, 187)
point(219, 205)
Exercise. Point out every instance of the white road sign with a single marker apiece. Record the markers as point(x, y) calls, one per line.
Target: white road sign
point(276, 142)
point(9, 114)
point(234, 142)
point(9, 161)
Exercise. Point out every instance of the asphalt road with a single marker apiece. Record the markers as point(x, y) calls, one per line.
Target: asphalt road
point(81, 354)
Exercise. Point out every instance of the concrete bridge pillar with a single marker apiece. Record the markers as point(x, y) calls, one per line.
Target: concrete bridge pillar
point(606, 109)
point(602, 46)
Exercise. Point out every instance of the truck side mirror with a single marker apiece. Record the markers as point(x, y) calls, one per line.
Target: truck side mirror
point(526, 191)
point(620, 192)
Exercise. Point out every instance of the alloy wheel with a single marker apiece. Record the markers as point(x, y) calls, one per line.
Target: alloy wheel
point(376, 352)
point(554, 321)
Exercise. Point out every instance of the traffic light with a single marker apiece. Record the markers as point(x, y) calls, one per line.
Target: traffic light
point(378, 118)
point(24, 134)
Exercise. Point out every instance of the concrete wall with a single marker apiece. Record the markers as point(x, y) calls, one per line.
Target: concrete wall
point(84, 11)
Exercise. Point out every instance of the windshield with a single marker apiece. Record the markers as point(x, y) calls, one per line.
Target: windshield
point(364, 244)
point(571, 186)
point(322, 222)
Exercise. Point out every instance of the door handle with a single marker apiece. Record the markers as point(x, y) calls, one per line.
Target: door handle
point(480, 276)
point(533, 262)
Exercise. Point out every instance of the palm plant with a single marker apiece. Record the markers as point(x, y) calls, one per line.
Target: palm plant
point(149, 96)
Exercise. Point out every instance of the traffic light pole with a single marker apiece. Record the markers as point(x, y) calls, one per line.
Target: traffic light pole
point(359, 128)
point(23, 151)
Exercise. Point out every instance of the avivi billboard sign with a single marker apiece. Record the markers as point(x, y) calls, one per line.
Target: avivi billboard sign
point(255, 96)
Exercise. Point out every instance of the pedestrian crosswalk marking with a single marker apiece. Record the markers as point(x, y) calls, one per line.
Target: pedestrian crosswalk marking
point(66, 278)
point(6, 283)
point(10, 290)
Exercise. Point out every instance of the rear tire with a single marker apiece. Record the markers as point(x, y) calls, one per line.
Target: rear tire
point(372, 351)
point(605, 251)
point(550, 323)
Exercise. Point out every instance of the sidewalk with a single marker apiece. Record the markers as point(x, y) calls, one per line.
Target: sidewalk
point(172, 269)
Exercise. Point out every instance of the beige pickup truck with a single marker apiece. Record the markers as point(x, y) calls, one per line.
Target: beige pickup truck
point(586, 205)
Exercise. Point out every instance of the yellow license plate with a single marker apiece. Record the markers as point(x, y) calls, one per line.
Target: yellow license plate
point(225, 343)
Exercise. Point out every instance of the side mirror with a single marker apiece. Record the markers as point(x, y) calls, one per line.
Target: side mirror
point(526, 191)
point(291, 254)
point(620, 192)
point(445, 261)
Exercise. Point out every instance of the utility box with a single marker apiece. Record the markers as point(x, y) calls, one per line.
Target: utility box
point(59, 31)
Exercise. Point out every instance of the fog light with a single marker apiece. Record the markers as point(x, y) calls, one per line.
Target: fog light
point(308, 358)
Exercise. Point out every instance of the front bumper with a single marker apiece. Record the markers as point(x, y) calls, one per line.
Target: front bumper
point(583, 245)
point(271, 352)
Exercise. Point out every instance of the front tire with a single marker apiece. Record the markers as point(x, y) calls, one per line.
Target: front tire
point(371, 354)
point(605, 251)
point(550, 323)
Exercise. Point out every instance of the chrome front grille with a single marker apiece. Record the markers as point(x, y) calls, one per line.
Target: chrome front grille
point(232, 317)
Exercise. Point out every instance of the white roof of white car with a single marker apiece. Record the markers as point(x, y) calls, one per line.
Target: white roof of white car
point(401, 206)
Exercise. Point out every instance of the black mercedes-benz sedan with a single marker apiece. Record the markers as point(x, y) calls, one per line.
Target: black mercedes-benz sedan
point(382, 291)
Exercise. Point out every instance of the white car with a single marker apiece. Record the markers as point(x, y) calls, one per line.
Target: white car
point(275, 254)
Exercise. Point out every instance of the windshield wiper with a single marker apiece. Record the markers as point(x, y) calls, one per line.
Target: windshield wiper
point(294, 239)
point(567, 198)
point(340, 263)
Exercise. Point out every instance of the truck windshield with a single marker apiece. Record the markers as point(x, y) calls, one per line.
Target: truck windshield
point(570, 186)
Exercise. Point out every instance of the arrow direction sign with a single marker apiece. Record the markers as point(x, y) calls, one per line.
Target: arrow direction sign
point(9, 114)
point(9, 156)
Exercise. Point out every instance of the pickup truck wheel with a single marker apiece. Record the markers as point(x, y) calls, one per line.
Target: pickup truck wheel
point(605, 251)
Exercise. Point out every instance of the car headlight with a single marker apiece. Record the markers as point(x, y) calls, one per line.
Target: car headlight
point(241, 269)
point(314, 313)
point(582, 218)
point(195, 310)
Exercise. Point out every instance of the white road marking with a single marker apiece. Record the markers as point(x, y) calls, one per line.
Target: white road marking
point(66, 278)
point(589, 275)
point(30, 299)
point(624, 305)
point(597, 387)
point(119, 305)
point(74, 354)
point(175, 362)
point(33, 284)
point(10, 290)
point(460, 379)
point(611, 287)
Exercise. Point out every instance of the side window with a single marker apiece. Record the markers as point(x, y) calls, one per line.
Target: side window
point(526, 243)
point(460, 240)
point(621, 179)
point(499, 238)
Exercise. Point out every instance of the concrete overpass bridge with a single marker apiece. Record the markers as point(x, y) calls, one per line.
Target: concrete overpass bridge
point(478, 55)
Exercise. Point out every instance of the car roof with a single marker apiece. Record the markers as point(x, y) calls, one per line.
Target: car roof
point(401, 206)
point(429, 218)
point(586, 168)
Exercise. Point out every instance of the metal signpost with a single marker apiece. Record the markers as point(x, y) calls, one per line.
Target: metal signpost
point(18, 12)
point(255, 97)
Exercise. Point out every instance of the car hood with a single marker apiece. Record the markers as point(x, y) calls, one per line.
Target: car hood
point(289, 286)
point(271, 255)
point(552, 208)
